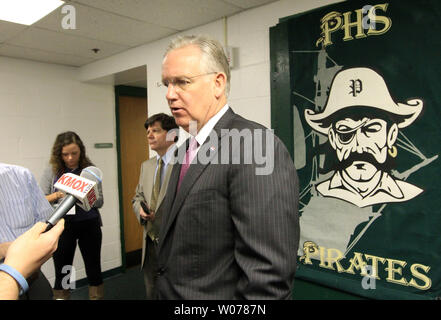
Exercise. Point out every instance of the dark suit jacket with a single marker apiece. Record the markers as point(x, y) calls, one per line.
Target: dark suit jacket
point(229, 233)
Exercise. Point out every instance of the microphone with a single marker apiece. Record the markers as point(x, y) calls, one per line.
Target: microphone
point(81, 190)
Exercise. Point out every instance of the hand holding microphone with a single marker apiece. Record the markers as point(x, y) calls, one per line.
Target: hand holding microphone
point(82, 190)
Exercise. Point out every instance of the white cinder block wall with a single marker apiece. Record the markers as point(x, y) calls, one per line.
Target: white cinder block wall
point(37, 101)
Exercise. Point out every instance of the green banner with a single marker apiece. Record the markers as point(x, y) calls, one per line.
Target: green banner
point(365, 109)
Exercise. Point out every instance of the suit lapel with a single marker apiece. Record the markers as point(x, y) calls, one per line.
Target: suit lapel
point(148, 185)
point(176, 199)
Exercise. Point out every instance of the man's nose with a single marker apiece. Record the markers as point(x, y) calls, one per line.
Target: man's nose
point(171, 92)
point(359, 145)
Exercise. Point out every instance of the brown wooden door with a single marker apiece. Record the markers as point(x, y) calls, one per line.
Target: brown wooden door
point(134, 150)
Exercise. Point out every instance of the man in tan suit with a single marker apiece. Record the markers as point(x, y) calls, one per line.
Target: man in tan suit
point(153, 181)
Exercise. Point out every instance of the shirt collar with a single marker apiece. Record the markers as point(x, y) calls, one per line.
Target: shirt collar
point(387, 185)
point(208, 127)
point(168, 155)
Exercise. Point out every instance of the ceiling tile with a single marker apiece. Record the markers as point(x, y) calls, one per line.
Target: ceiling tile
point(246, 4)
point(66, 44)
point(42, 56)
point(9, 30)
point(96, 24)
point(174, 14)
point(112, 26)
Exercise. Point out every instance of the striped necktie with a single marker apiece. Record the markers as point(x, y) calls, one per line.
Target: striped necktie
point(156, 186)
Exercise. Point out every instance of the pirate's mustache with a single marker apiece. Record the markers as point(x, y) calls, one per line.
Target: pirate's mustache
point(365, 157)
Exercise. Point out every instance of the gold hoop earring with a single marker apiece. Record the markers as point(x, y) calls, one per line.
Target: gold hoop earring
point(392, 151)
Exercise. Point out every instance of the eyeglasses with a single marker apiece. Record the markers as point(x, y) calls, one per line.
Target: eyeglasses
point(182, 83)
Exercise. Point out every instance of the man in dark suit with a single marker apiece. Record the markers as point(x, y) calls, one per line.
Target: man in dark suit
point(230, 225)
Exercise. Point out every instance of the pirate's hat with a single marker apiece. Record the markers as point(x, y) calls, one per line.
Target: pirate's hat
point(362, 87)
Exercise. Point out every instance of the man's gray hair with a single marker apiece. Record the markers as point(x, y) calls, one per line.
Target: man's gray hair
point(213, 55)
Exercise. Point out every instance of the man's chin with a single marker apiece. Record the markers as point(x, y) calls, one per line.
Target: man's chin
point(181, 120)
point(361, 171)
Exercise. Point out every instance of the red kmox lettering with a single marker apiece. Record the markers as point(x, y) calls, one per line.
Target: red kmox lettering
point(91, 197)
point(70, 182)
point(73, 183)
point(62, 178)
point(67, 181)
point(77, 184)
point(81, 189)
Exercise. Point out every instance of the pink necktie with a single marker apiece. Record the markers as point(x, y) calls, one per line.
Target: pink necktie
point(189, 155)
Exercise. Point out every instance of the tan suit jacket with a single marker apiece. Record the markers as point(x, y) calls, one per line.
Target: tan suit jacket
point(144, 193)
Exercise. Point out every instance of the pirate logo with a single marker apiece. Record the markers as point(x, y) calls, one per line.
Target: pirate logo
point(362, 127)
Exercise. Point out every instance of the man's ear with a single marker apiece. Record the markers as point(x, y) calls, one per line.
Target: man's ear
point(220, 83)
point(331, 137)
point(392, 135)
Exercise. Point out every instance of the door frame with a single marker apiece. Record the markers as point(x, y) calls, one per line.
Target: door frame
point(122, 90)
